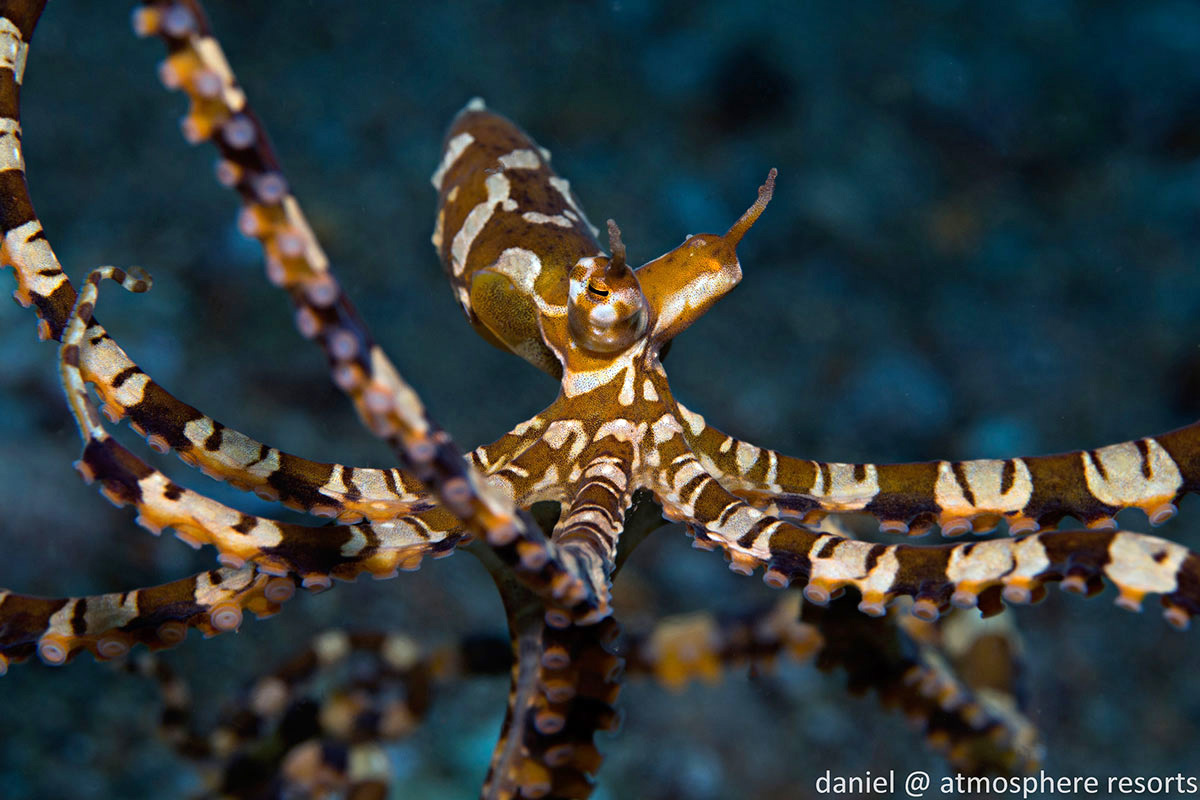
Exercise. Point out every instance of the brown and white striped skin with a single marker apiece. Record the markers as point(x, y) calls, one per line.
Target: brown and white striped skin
point(108, 625)
point(315, 554)
point(527, 269)
point(1029, 493)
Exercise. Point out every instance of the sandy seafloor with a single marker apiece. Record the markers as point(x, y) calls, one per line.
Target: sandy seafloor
point(984, 242)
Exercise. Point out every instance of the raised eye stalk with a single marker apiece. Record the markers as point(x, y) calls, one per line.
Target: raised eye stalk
point(606, 309)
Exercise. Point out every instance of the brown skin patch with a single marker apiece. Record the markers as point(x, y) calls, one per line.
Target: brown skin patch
point(119, 469)
point(905, 491)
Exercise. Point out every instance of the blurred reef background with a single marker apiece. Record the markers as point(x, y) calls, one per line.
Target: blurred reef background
point(983, 243)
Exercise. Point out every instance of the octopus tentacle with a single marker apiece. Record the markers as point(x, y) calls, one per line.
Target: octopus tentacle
point(347, 493)
point(935, 576)
point(986, 655)
point(223, 453)
point(699, 646)
point(219, 113)
point(304, 740)
point(316, 554)
point(381, 547)
point(107, 625)
point(591, 524)
point(564, 684)
point(979, 729)
point(1030, 493)
point(40, 278)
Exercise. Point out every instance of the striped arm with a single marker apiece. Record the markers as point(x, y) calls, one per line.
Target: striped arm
point(219, 113)
point(978, 729)
point(107, 625)
point(346, 493)
point(935, 576)
point(564, 684)
point(327, 490)
point(1031, 494)
point(40, 279)
point(387, 405)
point(590, 525)
point(314, 554)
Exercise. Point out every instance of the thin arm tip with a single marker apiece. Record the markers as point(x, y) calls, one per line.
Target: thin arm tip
point(765, 192)
point(767, 189)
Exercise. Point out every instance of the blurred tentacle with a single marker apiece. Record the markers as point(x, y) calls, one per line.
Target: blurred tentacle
point(986, 656)
point(283, 731)
point(564, 684)
point(219, 112)
point(978, 731)
point(1030, 493)
point(107, 625)
point(702, 645)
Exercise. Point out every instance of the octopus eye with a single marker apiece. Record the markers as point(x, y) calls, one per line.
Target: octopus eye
point(606, 311)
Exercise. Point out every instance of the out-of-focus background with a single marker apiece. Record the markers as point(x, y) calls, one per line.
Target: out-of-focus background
point(983, 243)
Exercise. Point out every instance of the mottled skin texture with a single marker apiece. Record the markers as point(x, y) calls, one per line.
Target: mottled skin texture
point(529, 273)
